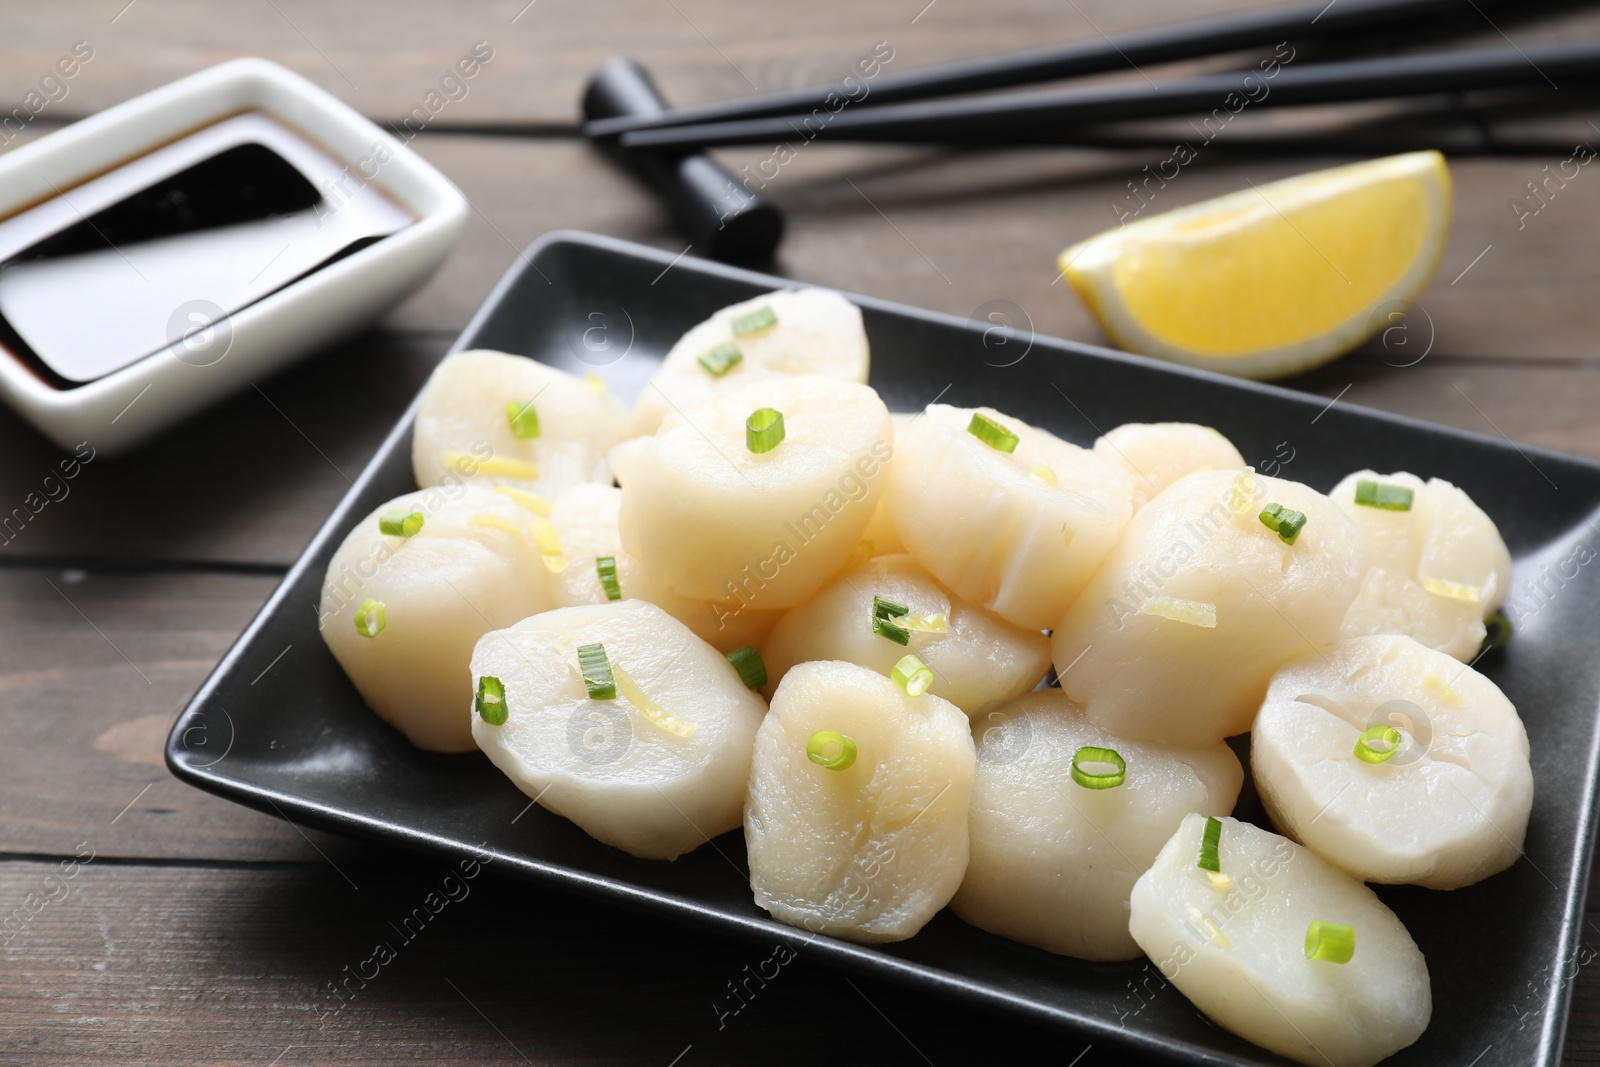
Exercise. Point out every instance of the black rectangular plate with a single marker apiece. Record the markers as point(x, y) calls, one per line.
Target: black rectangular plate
point(301, 744)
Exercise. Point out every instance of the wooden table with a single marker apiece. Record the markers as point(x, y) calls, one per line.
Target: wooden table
point(203, 932)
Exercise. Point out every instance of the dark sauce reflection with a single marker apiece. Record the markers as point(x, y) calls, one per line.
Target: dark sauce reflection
point(140, 259)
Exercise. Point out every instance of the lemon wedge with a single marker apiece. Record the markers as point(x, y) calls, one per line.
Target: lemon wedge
point(1274, 279)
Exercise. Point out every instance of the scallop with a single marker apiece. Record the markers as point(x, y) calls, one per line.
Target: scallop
point(1053, 862)
point(1438, 567)
point(474, 565)
point(499, 419)
point(713, 520)
point(621, 457)
point(976, 658)
point(1238, 950)
point(808, 331)
point(1019, 532)
point(880, 535)
point(658, 767)
point(1447, 807)
point(1159, 453)
point(1178, 635)
point(585, 518)
point(871, 848)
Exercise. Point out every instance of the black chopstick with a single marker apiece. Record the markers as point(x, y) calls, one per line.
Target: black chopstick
point(1185, 41)
point(1042, 116)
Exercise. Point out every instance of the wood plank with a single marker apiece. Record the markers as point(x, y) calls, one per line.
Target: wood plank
point(93, 670)
point(954, 230)
point(247, 482)
point(179, 965)
point(384, 65)
point(231, 966)
point(383, 60)
point(1548, 405)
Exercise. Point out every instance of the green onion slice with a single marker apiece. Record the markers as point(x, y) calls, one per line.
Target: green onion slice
point(763, 430)
point(1098, 779)
point(1330, 942)
point(1499, 630)
point(1370, 494)
point(720, 360)
point(752, 669)
point(371, 618)
point(597, 672)
point(1387, 734)
point(912, 675)
point(888, 609)
point(606, 568)
point(831, 749)
point(1284, 522)
point(992, 433)
point(892, 630)
point(491, 700)
point(884, 624)
point(524, 419)
point(398, 522)
point(762, 318)
point(1208, 846)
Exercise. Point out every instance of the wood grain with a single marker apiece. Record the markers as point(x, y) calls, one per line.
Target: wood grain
point(245, 483)
point(384, 65)
point(179, 965)
point(93, 670)
point(176, 965)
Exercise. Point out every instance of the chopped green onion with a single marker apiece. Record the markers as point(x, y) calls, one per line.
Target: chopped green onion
point(398, 522)
point(720, 360)
point(1499, 630)
point(755, 321)
point(1208, 846)
point(992, 433)
point(1098, 779)
point(1370, 494)
point(888, 609)
point(892, 630)
point(752, 670)
point(524, 419)
point(1387, 734)
point(371, 618)
point(606, 568)
point(912, 675)
point(1330, 942)
point(884, 614)
point(831, 749)
point(763, 430)
point(597, 672)
point(1284, 522)
point(491, 700)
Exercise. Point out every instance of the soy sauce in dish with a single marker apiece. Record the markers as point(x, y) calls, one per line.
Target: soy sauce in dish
point(160, 251)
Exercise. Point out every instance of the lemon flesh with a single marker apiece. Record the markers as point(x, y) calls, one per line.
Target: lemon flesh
point(1277, 278)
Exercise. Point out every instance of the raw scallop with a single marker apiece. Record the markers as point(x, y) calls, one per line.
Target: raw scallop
point(1052, 862)
point(1448, 809)
point(1239, 952)
point(1177, 636)
point(656, 773)
point(474, 565)
point(873, 851)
